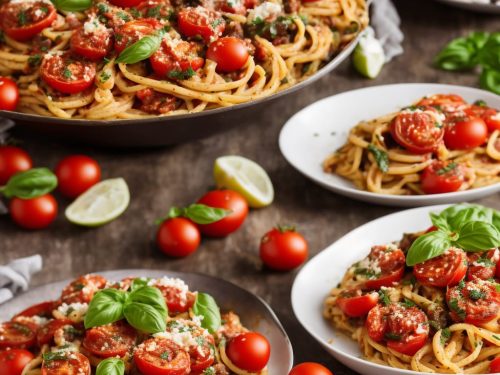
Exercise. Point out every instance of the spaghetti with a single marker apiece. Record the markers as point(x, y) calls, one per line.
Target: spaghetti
point(383, 155)
point(211, 54)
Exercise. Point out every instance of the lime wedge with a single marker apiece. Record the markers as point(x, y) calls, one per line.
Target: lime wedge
point(100, 204)
point(246, 177)
point(368, 57)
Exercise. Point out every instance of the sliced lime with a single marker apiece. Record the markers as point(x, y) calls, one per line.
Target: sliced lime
point(102, 203)
point(368, 57)
point(246, 177)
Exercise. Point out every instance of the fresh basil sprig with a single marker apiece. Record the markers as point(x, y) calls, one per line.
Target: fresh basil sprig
point(206, 307)
point(142, 49)
point(197, 213)
point(30, 184)
point(110, 366)
point(72, 5)
point(490, 80)
point(469, 227)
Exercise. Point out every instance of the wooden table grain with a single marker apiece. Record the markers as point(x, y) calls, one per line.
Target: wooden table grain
point(162, 177)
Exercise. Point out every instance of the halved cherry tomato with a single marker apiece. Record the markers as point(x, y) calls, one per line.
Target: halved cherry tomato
point(410, 344)
point(46, 333)
point(91, 45)
point(384, 267)
point(419, 131)
point(355, 304)
point(376, 323)
point(110, 340)
point(178, 237)
point(483, 265)
point(495, 366)
point(158, 356)
point(175, 57)
point(13, 361)
point(76, 174)
point(445, 270)
point(465, 134)
point(238, 7)
point(442, 177)
point(445, 102)
point(12, 160)
point(177, 300)
point(66, 74)
point(310, 368)
point(489, 115)
point(159, 9)
point(249, 351)
point(200, 21)
point(126, 3)
point(34, 213)
point(475, 302)
point(43, 309)
point(230, 54)
point(156, 102)
point(283, 249)
point(9, 94)
point(17, 335)
point(71, 363)
point(24, 20)
point(130, 32)
point(82, 289)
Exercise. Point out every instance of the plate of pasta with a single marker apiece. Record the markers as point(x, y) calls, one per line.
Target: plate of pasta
point(147, 322)
point(412, 292)
point(485, 6)
point(402, 145)
point(150, 62)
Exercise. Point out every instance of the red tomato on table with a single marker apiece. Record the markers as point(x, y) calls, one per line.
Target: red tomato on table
point(9, 94)
point(24, 20)
point(13, 361)
point(34, 213)
point(249, 351)
point(76, 174)
point(178, 237)
point(283, 249)
point(442, 177)
point(13, 160)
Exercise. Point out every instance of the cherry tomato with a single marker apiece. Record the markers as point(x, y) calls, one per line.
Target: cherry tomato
point(483, 265)
point(495, 366)
point(13, 160)
point(91, 45)
point(76, 174)
point(17, 335)
point(200, 21)
point(466, 134)
point(110, 340)
point(489, 115)
point(13, 361)
point(417, 130)
point(230, 54)
point(389, 263)
point(249, 351)
point(9, 94)
point(159, 9)
point(442, 177)
point(283, 249)
point(43, 309)
point(355, 304)
point(178, 300)
point(71, 363)
point(475, 302)
point(24, 20)
point(445, 270)
point(178, 237)
point(229, 200)
point(445, 102)
point(35, 213)
point(46, 333)
point(175, 56)
point(310, 368)
point(157, 356)
point(130, 32)
point(126, 3)
point(82, 289)
point(66, 74)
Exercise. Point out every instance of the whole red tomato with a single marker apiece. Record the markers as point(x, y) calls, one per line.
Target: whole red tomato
point(249, 351)
point(13, 160)
point(310, 368)
point(283, 249)
point(178, 237)
point(466, 134)
point(228, 200)
point(9, 94)
point(35, 213)
point(13, 361)
point(76, 173)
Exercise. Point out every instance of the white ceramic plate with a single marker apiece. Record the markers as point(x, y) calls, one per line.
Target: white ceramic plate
point(312, 134)
point(474, 5)
point(325, 270)
point(255, 314)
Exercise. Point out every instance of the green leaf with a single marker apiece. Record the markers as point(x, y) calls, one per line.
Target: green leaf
point(54, 356)
point(490, 80)
point(439, 222)
point(472, 213)
point(150, 296)
point(30, 184)
point(139, 283)
point(106, 307)
point(111, 366)
point(144, 317)
point(478, 236)
point(459, 54)
point(428, 246)
point(381, 157)
point(489, 56)
point(206, 307)
point(201, 214)
point(141, 50)
point(72, 5)
point(384, 297)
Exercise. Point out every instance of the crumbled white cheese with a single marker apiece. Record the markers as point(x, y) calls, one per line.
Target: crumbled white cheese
point(264, 11)
point(80, 308)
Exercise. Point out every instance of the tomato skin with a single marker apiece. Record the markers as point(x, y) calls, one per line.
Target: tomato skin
point(249, 351)
point(93, 46)
point(76, 174)
point(35, 213)
point(409, 346)
point(53, 69)
point(310, 368)
point(13, 160)
point(433, 181)
point(9, 16)
point(466, 134)
point(77, 363)
point(495, 366)
point(149, 362)
point(176, 302)
point(492, 119)
point(356, 304)
point(391, 263)
point(178, 237)
point(132, 31)
point(13, 361)
point(229, 200)
point(199, 21)
point(483, 266)
point(445, 102)
point(182, 57)
point(17, 335)
point(82, 289)
point(43, 309)
point(126, 3)
point(9, 94)
point(283, 249)
point(445, 270)
point(45, 334)
point(230, 54)
point(116, 338)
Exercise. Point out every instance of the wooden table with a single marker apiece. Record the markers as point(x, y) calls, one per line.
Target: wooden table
point(160, 178)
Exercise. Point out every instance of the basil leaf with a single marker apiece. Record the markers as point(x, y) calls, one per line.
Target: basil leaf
point(144, 317)
point(110, 366)
point(201, 214)
point(380, 157)
point(496, 220)
point(206, 307)
point(428, 246)
point(150, 296)
point(139, 283)
point(141, 50)
point(489, 55)
point(459, 54)
point(490, 80)
point(72, 5)
point(106, 307)
point(439, 222)
point(474, 213)
point(478, 236)
point(30, 184)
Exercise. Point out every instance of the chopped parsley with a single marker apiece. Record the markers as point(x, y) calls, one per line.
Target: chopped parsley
point(77, 286)
point(497, 287)
point(44, 9)
point(70, 310)
point(485, 261)
point(181, 74)
point(208, 371)
point(450, 167)
point(496, 337)
point(22, 20)
point(476, 294)
point(124, 16)
point(435, 325)
point(408, 303)
point(480, 103)
point(453, 303)
point(392, 336)
point(70, 330)
point(102, 8)
point(165, 355)
point(410, 281)
point(370, 274)
point(384, 297)
point(106, 60)
point(104, 76)
point(381, 157)
point(445, 335)
point(118, 37)
point(352, 28)
point(216, 23)
point(22, 329)
point(257, 21)
point(53, 356)
point(34, 60)
point(135, 13)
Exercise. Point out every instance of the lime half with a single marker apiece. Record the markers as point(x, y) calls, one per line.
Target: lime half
point(369, 57)
point(246, 177)
point(100, 204)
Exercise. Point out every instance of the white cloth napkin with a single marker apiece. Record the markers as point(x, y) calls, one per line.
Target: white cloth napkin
point(385, 21)
point(16, 275)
